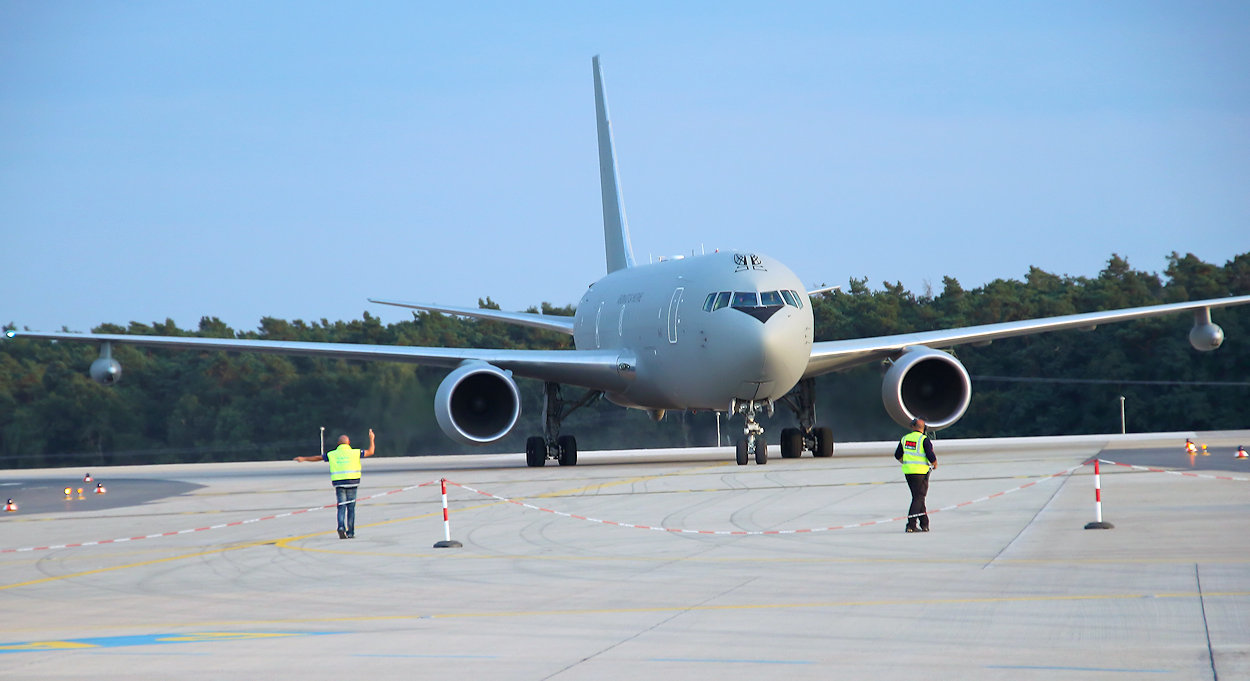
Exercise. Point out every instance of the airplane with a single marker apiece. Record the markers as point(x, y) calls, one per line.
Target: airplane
point(729, 331)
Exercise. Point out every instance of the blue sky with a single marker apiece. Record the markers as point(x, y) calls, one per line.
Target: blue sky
point(289, 159)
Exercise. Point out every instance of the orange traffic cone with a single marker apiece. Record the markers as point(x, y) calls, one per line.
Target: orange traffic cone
point(11, 506)
point(99, 488)
point(1241, 453)
point(86, 478)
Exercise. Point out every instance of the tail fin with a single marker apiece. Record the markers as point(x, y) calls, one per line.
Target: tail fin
point(620, 252)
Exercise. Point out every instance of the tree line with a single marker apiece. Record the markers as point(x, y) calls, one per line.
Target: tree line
point(187, 406)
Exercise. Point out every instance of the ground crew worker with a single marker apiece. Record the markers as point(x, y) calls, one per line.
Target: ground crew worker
point(915, 452)
point(345, 476)
point(1190, 447)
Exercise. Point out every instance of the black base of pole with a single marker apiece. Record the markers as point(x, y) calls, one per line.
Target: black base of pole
point(448, 544)
point(1099, 526)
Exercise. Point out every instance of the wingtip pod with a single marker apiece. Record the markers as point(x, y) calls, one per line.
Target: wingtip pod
point(619, 251)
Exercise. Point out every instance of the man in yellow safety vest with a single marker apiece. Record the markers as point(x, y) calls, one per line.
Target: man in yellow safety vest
point(345, 476)
point(915, 452)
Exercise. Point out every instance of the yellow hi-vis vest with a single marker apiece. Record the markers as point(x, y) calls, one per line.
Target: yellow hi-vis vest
point(344, 463)
point(914, 460)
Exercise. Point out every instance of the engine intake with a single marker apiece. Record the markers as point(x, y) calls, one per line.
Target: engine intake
point(929, 384)
point(477, 404)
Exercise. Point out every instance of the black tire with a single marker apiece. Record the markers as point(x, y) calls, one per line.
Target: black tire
point(535, 452)
point(761, 450)
point(742, 452)
point(824, 442)
point(791, 443)
point(567, 444)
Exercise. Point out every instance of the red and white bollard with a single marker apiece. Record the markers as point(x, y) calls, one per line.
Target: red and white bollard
point(1098, 523)
point(447, 542)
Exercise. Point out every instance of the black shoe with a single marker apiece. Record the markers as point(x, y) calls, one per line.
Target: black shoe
point(351, 535)
point(912, 529)
point(342, 534)
point(924, 529)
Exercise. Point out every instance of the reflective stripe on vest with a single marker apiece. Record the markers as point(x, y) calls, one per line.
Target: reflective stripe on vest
point(344, 463)
point(914, 459)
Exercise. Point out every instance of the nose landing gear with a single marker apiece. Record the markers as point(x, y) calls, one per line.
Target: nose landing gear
point(752, 441)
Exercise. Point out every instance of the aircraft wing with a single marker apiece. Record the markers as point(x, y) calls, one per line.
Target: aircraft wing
point(828, 356)
point(597, 369)
point(538, 321)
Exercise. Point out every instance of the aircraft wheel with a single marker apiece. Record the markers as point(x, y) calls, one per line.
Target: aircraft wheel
point(791, 443)
point(535, 452)
point(761, 450)
point(567, 445)
point(742, 452)
point(824, 442)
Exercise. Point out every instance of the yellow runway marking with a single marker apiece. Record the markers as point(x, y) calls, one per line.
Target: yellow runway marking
point(741, 607)
point(155, 561)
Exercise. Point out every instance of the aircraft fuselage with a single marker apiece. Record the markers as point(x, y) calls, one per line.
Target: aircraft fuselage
point(744, 313)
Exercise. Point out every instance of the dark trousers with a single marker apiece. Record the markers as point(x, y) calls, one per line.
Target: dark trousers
point(918, 483)
point(347, 507)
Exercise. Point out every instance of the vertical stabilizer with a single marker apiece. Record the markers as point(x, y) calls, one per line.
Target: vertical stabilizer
point(620, 252)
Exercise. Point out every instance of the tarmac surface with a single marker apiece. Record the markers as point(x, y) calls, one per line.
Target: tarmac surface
point(799, 568)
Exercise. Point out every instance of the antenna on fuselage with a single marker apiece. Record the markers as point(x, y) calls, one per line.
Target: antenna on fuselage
point(619, 251)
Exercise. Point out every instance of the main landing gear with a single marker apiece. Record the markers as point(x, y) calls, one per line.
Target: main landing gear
point(817, 440)
point(551, 444)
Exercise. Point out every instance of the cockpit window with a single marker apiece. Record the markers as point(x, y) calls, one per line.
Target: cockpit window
point(749, 299)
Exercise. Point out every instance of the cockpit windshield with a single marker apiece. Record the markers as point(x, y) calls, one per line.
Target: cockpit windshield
point(751, 299)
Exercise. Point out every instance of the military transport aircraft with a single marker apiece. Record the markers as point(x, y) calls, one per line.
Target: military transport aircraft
point(727, 331)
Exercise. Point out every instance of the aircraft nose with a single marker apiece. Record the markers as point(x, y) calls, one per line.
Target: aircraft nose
point(773, 356)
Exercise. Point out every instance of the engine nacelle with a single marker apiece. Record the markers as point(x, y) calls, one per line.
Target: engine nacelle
point(477, 404)
point(105, 370)
point(1206, 335)
point(929, 384)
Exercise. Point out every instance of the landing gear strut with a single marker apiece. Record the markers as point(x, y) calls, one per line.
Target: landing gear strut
point(551, 444)
point(817, 440)
point(752, 441)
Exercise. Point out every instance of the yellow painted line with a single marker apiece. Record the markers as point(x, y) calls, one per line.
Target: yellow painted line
point(49, 645)
point(156, 561)
point(627, 481)
point(741, 607)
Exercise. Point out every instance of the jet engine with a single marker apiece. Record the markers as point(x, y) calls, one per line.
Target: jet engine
point(105, 370)
point(1206, 335)
point(929, 384)
point(477, 403)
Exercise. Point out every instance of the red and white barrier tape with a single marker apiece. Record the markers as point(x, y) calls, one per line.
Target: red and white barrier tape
point(677, 530)
point(673, 530)
point(1165, 470)
point(210, 527)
